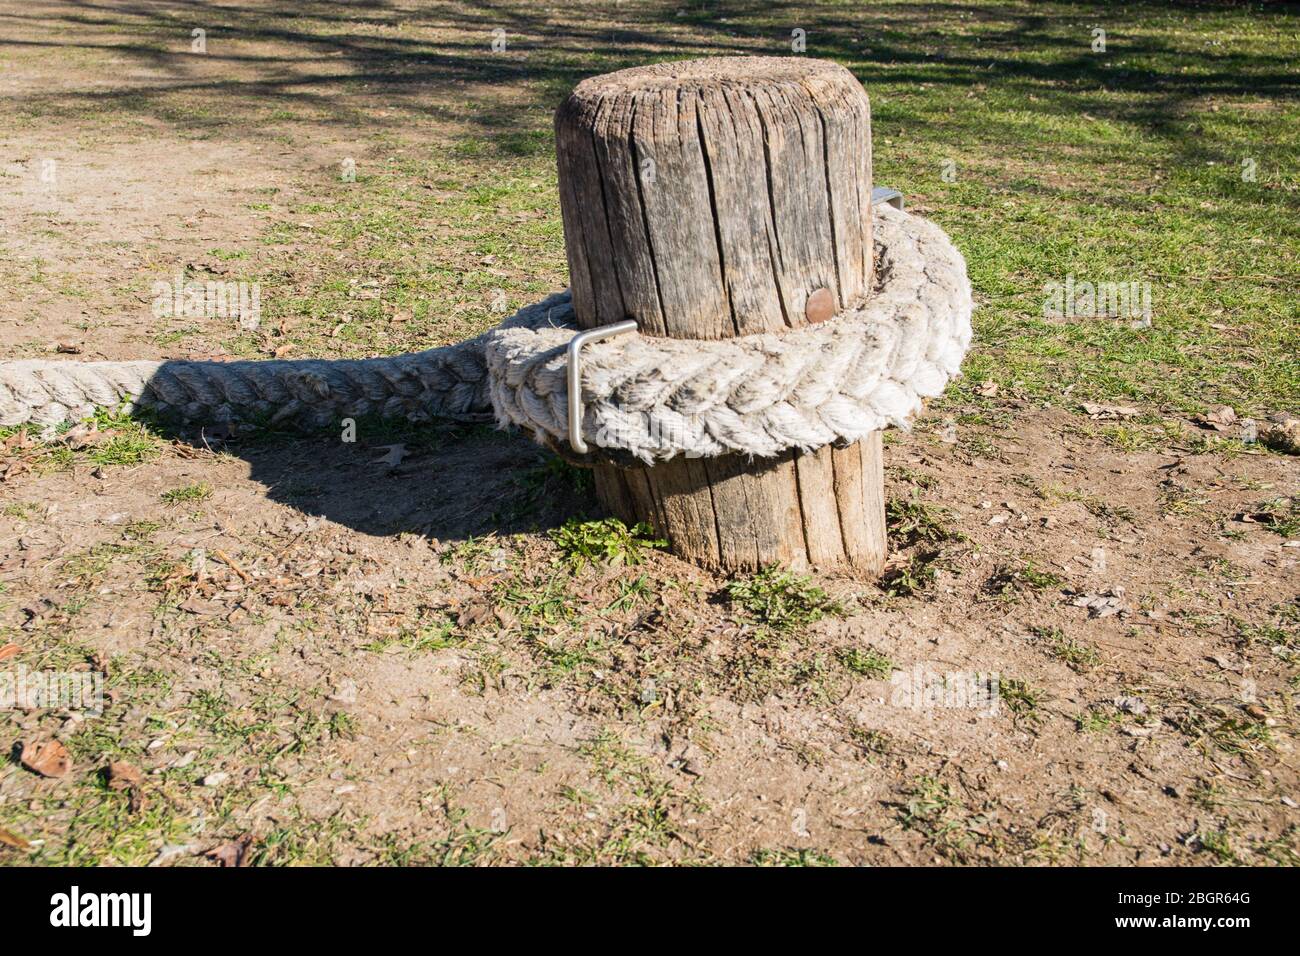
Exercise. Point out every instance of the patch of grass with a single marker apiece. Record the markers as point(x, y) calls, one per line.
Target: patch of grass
point(134, 440)
point(791, 857)
point(607, 541)
point(1021, 699)
point(1077, 655)
point(1280, 515)
point(781, 600)
point(465, 846)
point(22, 510)
point(303, 841)
point(1135, 437)
point(201, 491)
point(868, 662)
point(911, 521)
point(1218, 844)
point(1284, 849)
point(944, 822)
point(631, 593)
point(425, 638)
point(1009, 582)
point(483, 672)
point(1281, 633)
point(1216, 728)
point(1097, 719)
point(542, 605)
point(476, 554)
point(1098, 507)
point(1179, 501)
point(644, 823)
point(914, 576)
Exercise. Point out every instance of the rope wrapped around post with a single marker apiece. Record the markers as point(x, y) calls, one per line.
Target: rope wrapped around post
point(646, 398)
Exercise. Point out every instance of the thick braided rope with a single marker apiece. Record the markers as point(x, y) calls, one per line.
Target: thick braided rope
point(650, 398)
point(449, 382)
point(656, 397)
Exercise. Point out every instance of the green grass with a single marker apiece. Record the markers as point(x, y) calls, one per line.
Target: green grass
point(1097, 720)
point(189, 494)
point(914, 576)
point(1075, 654)
point(1008, 582)
point(799, 857)
point(931, 809)
point(1282, 516)
point(912, 521)
point(1021, 699)
point(869, 662)
point(780, 600)
point(606, 541)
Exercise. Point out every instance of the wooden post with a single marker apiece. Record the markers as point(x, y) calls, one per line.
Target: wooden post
point(714, 198)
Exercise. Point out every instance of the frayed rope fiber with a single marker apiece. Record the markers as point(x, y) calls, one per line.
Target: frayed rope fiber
point(646, 397)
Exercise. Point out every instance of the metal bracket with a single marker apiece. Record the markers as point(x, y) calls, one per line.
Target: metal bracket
point(575, 375)
point(891, 197)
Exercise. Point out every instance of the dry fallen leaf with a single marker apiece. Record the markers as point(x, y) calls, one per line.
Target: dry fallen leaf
point(1220, 417)
point(80, 436)
point(472, 613)
point(13, 840)
point(49, 759)
point(234, 853)
point(1106, 412)
point(987, 389)
point(123, 776)
point(10, 650)
point(394, 457)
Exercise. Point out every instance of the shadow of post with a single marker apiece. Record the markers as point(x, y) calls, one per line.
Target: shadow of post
point(441, 480)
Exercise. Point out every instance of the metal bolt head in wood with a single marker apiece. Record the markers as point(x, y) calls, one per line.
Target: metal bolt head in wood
point(722, 197)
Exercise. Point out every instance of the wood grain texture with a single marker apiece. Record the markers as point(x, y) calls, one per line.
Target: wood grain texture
point(713, 198)
point(801, 510)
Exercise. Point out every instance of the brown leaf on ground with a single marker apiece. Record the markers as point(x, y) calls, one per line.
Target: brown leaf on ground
point(82, 436)
point(12, 469)
point(1220, 418)
point(1107, 412)
point(49, 759)
point(394, 457)
point(10, 650)
point(13, 840)
point(122, 776)
point(472, 613)
point(234, 853)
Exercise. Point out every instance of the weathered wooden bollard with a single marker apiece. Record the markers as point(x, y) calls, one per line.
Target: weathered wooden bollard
point(715, 198)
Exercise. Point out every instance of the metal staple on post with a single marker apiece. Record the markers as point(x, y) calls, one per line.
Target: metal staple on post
point(890, 197)
point(575, 375)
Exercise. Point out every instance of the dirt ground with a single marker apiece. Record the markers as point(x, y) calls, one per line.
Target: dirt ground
point(313, 655)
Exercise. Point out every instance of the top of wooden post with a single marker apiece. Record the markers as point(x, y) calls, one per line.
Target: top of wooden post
point(712, 73)
point(717, 197)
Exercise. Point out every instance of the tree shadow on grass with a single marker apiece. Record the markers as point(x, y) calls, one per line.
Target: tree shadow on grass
point(336, 60)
